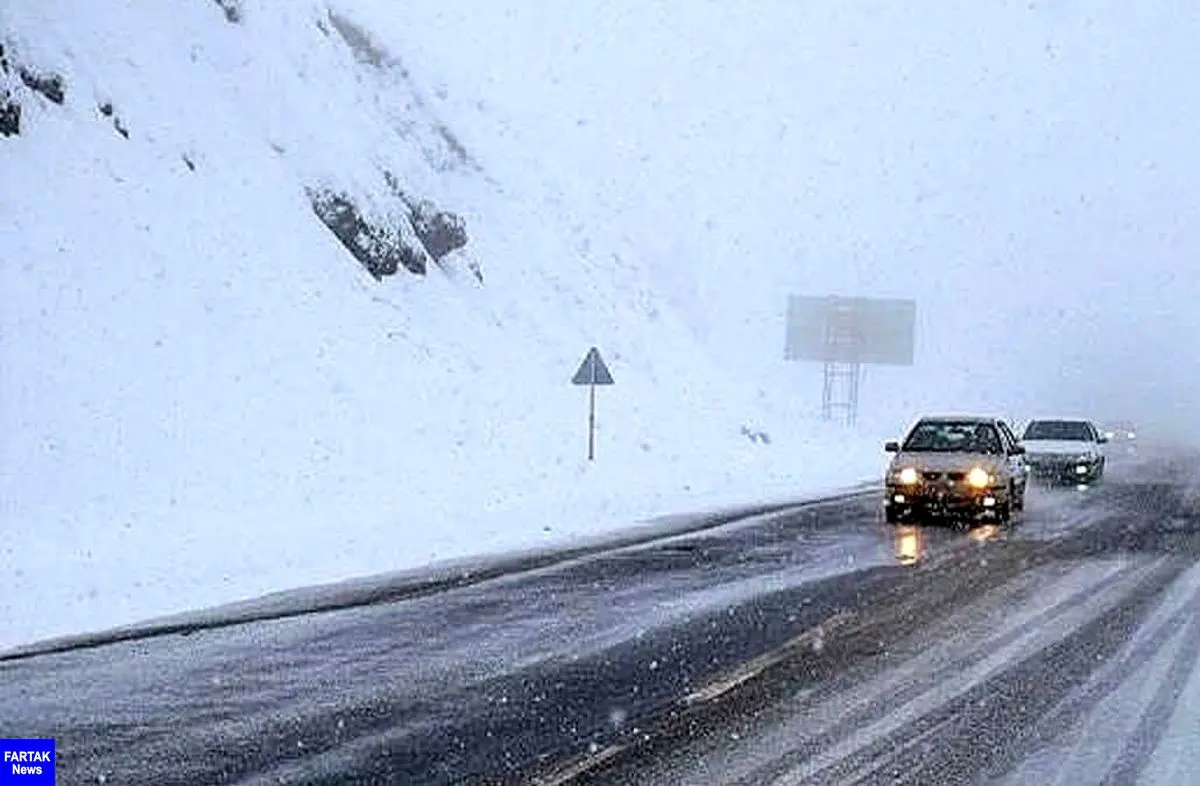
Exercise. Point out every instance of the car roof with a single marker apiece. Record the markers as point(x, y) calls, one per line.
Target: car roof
point(957, 419)
point(1062, 419)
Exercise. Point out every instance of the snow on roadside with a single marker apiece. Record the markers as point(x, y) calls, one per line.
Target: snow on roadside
point(118, 576)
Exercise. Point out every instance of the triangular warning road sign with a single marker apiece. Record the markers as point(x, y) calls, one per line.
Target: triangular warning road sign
point(592, 371)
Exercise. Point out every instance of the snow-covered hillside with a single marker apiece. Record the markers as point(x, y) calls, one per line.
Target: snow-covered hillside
point(205, 396)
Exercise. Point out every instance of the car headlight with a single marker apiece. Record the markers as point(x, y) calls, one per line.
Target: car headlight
point(908, 476)
point(978, 478)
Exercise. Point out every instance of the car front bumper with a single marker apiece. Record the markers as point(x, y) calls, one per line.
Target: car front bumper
point(933, 500)
point(1064, 469)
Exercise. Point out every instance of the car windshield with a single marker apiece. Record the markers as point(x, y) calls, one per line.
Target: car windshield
point(953, 437)
point(1073, 430)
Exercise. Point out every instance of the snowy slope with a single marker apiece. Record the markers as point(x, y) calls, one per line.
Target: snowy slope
point(206, 397)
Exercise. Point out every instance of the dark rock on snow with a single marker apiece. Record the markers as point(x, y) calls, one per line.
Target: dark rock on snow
point(232, 9)
point(10, 116)
point(440, 231)
point(379, 249)
point(49, 85)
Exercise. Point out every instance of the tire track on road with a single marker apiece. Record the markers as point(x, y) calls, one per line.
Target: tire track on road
point(956, 698)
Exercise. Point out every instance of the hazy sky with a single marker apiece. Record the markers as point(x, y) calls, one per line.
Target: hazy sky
point(1026, 170)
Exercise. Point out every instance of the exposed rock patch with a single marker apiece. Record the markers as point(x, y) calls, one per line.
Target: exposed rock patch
point(361, 44)
point(457, 149)
point(107, 110)
point(757, 437)
point(10, 115)
point(440, 231)
point(49, 85)
point(414, 236)
point(379, 248)
point(232, 10)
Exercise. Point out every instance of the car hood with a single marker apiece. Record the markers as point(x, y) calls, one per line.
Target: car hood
point(946, 462)
point(1060, 447)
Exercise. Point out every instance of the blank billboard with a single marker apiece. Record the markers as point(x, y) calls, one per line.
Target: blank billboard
point(851, 330)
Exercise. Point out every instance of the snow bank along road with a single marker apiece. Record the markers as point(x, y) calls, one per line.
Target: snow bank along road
point(814, 645)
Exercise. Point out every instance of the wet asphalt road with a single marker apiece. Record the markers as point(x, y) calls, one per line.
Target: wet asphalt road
point(814, 646)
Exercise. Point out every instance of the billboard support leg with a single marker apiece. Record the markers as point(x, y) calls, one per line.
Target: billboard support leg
point(839, 395)
point(852, 399)
point(827, 392)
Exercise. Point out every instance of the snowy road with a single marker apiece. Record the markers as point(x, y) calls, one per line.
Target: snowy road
point(816, 646)
point(1066, 653)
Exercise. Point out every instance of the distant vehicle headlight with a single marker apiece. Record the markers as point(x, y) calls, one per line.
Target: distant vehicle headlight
point(1110, 435)
point(979, 478)
point(1131, 435)
point(908, 476)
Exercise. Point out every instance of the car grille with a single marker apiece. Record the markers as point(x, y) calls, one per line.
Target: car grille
point(1053, 461)
point(933, 477)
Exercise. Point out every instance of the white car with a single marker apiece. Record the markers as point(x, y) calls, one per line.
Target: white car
point(1064, 450)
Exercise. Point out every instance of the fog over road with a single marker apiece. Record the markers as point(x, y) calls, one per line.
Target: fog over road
point(814, 645)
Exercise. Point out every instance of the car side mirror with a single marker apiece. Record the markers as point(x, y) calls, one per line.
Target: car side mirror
point(1101, 439)
point(1018, 450)
point(891, 446)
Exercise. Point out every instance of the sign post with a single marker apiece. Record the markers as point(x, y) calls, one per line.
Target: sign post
point(592, 372)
